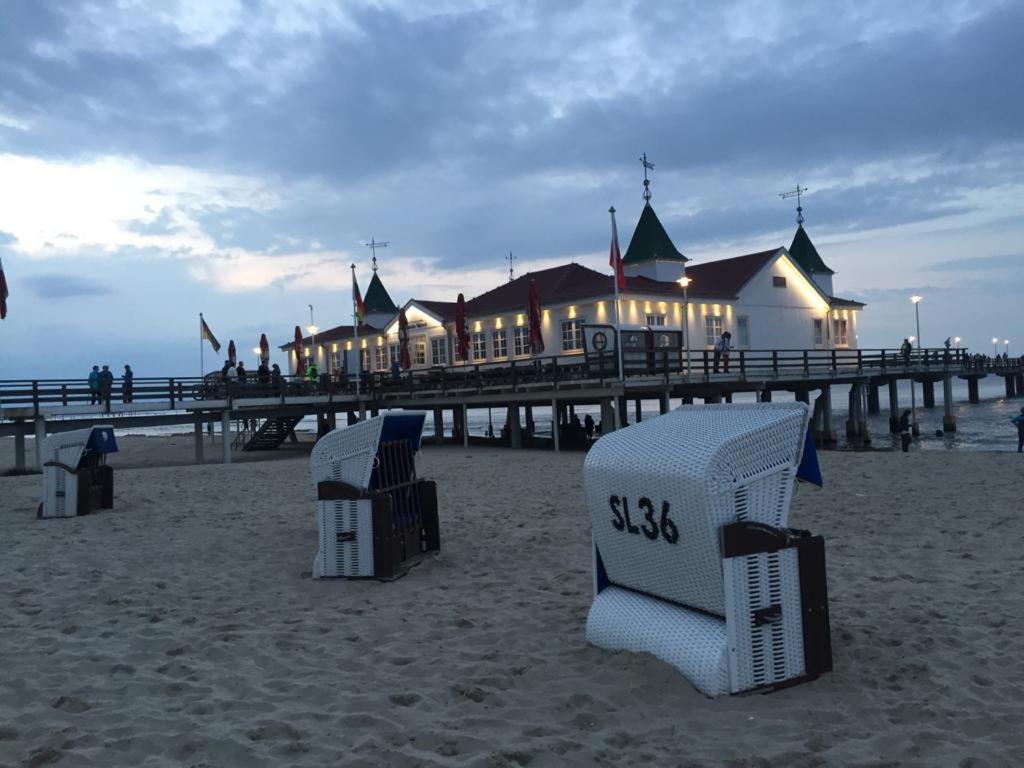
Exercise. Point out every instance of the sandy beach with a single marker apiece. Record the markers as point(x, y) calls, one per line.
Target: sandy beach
point(182, 628)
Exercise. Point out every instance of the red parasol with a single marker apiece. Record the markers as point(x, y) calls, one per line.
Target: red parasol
point(461, 334)
point(536, 337)
point(232, 356)
point(403, 341)
point(300, 355)
point(264, 349)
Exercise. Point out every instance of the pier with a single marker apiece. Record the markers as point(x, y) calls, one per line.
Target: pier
point(260, 414)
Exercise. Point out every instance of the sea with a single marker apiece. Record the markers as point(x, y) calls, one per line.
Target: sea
point(984, 426)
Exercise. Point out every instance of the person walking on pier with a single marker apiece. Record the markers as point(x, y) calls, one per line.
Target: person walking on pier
point(94, 385)
point(127, 383)
point(722, 351)
point(1019, 421)
point(588, 426)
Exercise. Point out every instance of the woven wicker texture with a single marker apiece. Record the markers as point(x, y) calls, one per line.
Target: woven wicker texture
point(59, 487)
point(694, 643)
point(344, 558)
point(712, 465)
point(347, 455)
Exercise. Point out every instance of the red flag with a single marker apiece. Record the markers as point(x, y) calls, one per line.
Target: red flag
point(232, 354)
point(207, 335)
point(536, 336)
point(357, 301)
point(264, 348)
point(403, 341)
point(3, 292)
point(300, 356)
point(615, 257)
point(461, 334)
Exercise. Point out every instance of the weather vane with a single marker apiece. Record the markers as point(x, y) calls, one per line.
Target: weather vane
point(511, 263)
point(647, 182)
point(797, 193)
point(373, 245)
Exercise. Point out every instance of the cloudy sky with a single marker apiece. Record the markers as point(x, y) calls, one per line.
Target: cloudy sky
point(162, 159)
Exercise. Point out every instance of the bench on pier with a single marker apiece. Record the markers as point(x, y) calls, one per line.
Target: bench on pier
point(693, 559)
point(376, 517)
point(76, 478)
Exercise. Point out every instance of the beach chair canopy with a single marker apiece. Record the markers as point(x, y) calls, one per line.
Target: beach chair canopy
point(348, 455)
point(660, 491)
point(69, 447)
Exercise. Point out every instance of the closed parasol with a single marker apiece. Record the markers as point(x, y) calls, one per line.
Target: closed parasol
point(264, 349)
point(232, 355)
point(403, 341)
point(300, 354)
point(461, 334)
point(536, 337)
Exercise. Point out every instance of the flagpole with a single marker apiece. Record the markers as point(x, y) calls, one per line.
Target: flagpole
point(355, 330)
point(615, 281)
point(202, 365)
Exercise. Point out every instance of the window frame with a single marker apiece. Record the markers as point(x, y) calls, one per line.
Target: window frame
point(502, 334)
point(778, 281)
point(521, 340)
point(742, 320)
point(478, 343)
point(818, 331)
point(714, 327)
point(663, 320)
point(840, 331)
point(380, 356)
point(439, 351)
point(419, 343)
point(572, 334)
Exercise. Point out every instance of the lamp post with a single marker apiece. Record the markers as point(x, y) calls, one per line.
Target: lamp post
point(685, 282)
point(1007, 343)
point(915, 429)
point(995, 349)
point(957, 340)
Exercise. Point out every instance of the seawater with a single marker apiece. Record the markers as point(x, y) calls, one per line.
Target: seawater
point(985, 426)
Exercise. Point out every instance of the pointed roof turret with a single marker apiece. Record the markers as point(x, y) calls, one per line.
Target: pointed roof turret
point(377, 299)
point(806, 255)
point(650, 241)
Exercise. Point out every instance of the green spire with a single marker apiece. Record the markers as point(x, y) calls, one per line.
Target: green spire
point(806, 255)
point(377, 298)
point(650, 241)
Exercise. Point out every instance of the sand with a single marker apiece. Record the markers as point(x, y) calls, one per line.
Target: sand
point(182, 628)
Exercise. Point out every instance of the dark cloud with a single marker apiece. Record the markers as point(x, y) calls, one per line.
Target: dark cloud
point(54, 286)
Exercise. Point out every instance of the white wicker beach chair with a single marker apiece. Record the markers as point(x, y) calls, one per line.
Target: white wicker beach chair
point(76, 479)
point(693, 562)
point(376, 518)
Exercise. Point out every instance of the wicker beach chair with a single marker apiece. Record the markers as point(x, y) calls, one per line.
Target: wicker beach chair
point(693, 561)
point(376, 518)
point(76, 477)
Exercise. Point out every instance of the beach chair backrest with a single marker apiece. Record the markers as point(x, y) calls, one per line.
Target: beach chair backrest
point(351, 454)
point(659, 492)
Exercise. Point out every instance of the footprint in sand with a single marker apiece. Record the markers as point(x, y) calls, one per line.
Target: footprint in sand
point(72, 704)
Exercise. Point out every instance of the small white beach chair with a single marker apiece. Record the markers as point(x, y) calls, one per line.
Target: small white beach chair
point(376, 518)
point(76, 477)
point(693, 561)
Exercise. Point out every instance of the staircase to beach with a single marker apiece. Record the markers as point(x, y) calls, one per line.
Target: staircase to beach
point(271, 434)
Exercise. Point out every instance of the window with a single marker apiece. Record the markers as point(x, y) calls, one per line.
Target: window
point(336, 364)
point(396, 353)
point(712, 329)
point(819, 332)
point(439, 351)
point(522, 341)
point(381, 358)
point(365, 355)
point(419, 351)
point(839, 331)
point(572, 334)
point(743, 332)
point(778, 281)
point(480, 346)
point(654, 320)
point(500, 344)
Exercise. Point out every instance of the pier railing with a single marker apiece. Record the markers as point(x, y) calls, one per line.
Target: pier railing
point(29, 397)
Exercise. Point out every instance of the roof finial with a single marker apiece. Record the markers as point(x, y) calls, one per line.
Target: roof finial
point(511, 262)
point(797, 193)
point(373, 245)
point(647, 182)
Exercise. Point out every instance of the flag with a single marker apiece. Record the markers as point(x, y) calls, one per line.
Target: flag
point(204, 332)
point(357, 301)
point(3, 292)
point(615, 259)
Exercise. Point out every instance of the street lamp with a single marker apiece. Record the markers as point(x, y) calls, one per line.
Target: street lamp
point(957, 341)
point(685, 282)
point(995, 349)
point(1007, 343)
point(915, 430)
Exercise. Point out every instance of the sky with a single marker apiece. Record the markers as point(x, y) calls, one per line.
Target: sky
point(158, 160)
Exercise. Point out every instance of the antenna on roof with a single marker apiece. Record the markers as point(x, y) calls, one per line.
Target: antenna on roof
point(511, 263)
point(647, 182)
point(797, 193)
point(373, 245)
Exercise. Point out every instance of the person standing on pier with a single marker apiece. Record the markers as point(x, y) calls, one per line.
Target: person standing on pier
point(905, 350)
point(94, 385)
point(106, 385)
point(1019, 421)
point(722, 351)
point(588, 426)
point(127, 382)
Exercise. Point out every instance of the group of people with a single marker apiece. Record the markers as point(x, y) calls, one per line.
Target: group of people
point(232, 373)
point(101, 385)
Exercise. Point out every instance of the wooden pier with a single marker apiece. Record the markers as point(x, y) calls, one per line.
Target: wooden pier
point(266, 411)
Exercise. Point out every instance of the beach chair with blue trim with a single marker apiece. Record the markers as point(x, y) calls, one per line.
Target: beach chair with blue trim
point(693, 559)
point(375, 516)
point(76, 477)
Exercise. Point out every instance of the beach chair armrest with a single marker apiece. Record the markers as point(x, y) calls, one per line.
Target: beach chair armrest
point(336, 490)
point(61, 465)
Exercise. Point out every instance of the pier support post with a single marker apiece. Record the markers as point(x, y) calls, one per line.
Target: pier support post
point(1011, 390)
point(19, 449)
point(972, 390)
point(1020, 383)
point(529, 421)
point(823, 434)
point(362, 411)
point(663, 403)
point(225, 435)
point(856, 420)
point(350, 418)
point(438, 426)
point(687, 399)
point(873, 404)
point(949, 419)
point(639, 411)
point(765, 396)
point(727, 397)
point(556, 427)
point(622, 412)
point(607, 416)
point(713, 399)
point(465, 425)
point(198, 432)
point(928, 389)
point(894, 407)
point(40, 437)
point(515, 432)
point(802, 395)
